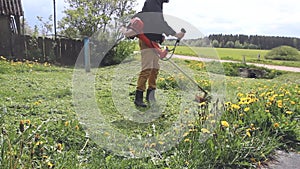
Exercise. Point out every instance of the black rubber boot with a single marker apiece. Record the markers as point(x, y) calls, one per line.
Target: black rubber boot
point(150, 96)
point(139, 99)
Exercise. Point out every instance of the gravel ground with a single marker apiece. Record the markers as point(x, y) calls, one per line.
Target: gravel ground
point(285, 160)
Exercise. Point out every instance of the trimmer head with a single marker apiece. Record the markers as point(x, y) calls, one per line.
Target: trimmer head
point(201, 99)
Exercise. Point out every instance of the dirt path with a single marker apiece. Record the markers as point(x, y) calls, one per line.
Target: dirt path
point(284, 68)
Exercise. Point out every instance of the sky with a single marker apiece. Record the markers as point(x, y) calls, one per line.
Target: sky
point(255, 17)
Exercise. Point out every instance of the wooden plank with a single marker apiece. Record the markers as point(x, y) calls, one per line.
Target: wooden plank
point(49, 50)
point(41, 56)
point(11, 7)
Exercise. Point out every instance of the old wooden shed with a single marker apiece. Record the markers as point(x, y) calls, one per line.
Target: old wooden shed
point(10, 24)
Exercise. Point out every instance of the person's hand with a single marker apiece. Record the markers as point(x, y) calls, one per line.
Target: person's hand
point(123, 29)
point(127, 32)
point(179, 35)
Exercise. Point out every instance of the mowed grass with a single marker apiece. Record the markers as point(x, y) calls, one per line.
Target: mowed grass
point(251, 55)
point(41, 129)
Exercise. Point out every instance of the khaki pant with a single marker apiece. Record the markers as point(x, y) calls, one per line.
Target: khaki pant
point(150, 68)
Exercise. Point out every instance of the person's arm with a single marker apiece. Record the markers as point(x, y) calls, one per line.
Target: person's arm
point(168, 30)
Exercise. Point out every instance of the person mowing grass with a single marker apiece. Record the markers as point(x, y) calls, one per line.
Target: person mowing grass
point(154, 26)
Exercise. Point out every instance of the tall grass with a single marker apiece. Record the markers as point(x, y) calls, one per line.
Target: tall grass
point(40, 128)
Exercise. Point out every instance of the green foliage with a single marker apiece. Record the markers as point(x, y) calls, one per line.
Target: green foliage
point(238, 45)
point(233, 69)
point(85, 17)
point(122, 50)
point(46, 26)
point(229, 44)
point(215, 43)
point(283, 53)
point(252, 46)
point(40, 129)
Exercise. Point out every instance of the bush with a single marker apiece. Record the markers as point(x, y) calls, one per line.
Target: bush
point(233, 69)
point(283, 53)
point(118, 53)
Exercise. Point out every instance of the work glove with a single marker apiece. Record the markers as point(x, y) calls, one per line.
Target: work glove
point(129, 33)
point(179, 35)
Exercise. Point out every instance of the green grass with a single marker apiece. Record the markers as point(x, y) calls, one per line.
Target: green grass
point(250, 55)
point(40, 127)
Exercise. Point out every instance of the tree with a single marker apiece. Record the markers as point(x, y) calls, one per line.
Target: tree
point(237, 44)
point(215, 43)
point(229, 44)
point(85, 17)
point(45, 26)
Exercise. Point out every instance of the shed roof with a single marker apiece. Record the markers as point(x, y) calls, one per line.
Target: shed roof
point(11, 7)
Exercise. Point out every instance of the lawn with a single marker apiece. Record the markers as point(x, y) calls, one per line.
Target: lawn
point(251, 55)
point(47, 123)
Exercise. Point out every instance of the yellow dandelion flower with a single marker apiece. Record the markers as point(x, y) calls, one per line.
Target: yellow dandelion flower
point(268, 104)
point(289, 112)
point(235, 106)
point(38, 143)
point(224, 123)
point(50, 165)
point(36, 103)
point(192, 130)
point(248, 133)
point(267, 111)
point(106, 134)
point(59, 146)
point(246, 109)
point(187, 163)
point(276, 125)
point(202, 104)
point(204, 130)
point(262, 94)
point(240, 95)
point(161, 142)
point(67, 123)
point(279, 103)
point(27, 122)
point(187, 140)
point(185, 134)
point(293, 103)
point(228, 103)
point(271, 99)
point(77, 127)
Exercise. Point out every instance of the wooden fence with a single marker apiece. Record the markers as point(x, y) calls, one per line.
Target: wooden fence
point(60, 51)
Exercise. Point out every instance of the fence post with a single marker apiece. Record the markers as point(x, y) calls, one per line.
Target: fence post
point(244, 59)
point(87, 63)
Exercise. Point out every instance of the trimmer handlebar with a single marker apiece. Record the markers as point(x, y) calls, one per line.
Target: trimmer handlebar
point(183, 31)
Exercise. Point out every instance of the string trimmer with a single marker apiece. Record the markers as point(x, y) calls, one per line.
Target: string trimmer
point(135, 29)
